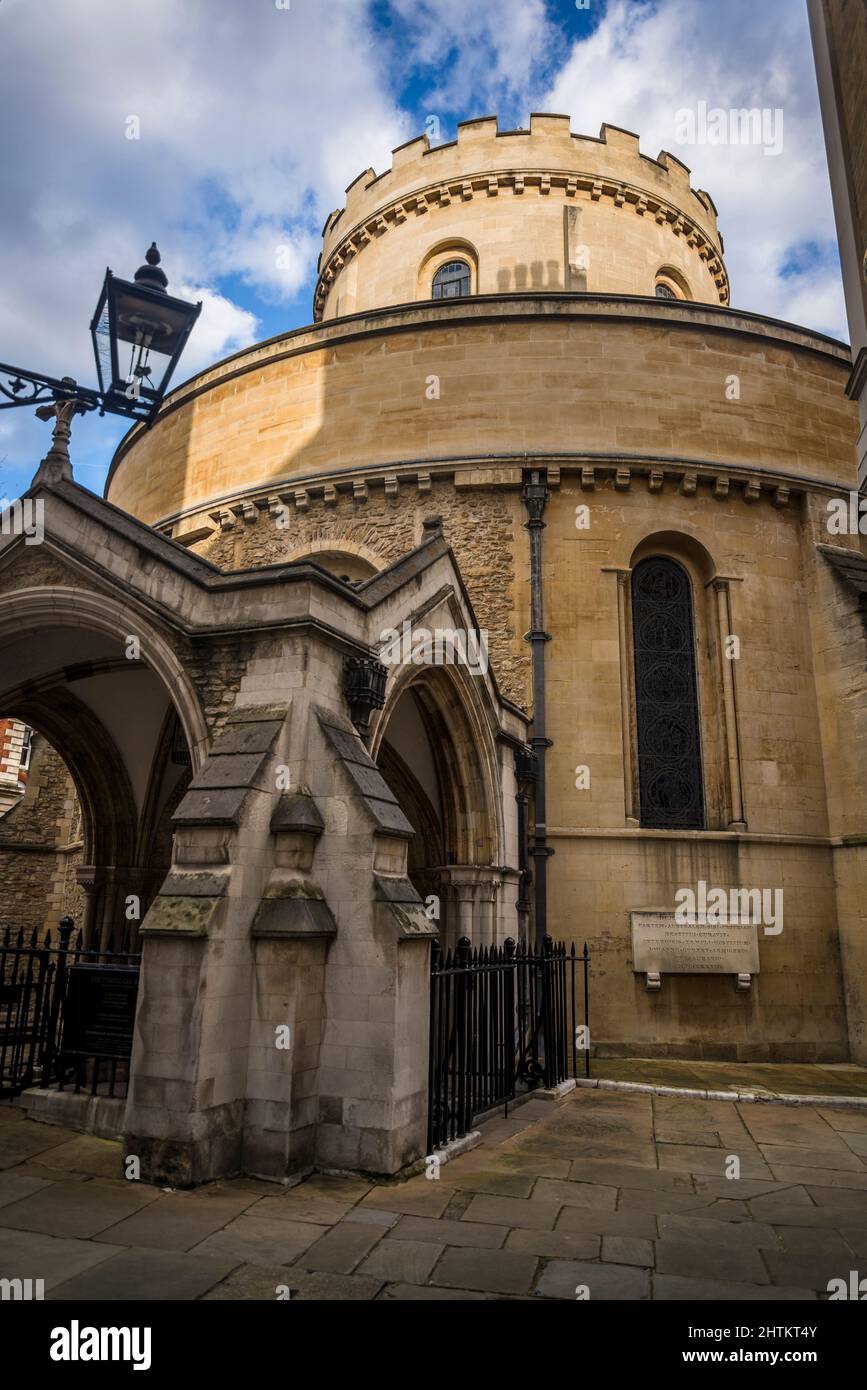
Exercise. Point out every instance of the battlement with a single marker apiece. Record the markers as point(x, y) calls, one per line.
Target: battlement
point(549, 146)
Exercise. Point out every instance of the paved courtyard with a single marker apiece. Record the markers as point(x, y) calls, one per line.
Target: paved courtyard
point(622, 1195)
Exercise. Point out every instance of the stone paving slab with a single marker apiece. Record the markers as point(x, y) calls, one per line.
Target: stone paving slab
point(695, 1260)
point(146, 1274)
point(673, 1287)
point(855, 1238)
point(629, 1175)
point(812, 1240)
point(402, 1261)
point(539, 1215)
point(178, 1221)
point(77, 1209)
point(262, 1282)
point(605, 1282)
point(728, 1235)
point(584, 1221)
point(31, 1255)
point(778, 1124)
point(844, 1121)
point(843, 1159)
point(555, 1245)
point(828, 1177)
point(338, 1188)
point(486, 1271)
point(247, 1240)
point(100, 1158)
point(410, 1199)
point(295, 1206)
point(21, 1139)
point(627, 1250)
point(373, 1216)
point(497, 1184)
point(624, 1194)
point(479, 1235)
point(807, 1271)
point(415, 1292)
point(638, 1199)
point(575, 1194)
point(342, 1248)
point(697, 1158)
point(14, 1186)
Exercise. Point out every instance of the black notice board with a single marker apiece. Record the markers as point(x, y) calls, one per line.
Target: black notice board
point(99, 1010)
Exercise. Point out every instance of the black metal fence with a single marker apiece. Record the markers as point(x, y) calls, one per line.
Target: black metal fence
point(65, 1013)
point(502, 1017)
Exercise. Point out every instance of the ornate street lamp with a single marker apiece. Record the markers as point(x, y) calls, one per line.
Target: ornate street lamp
point(138, 331)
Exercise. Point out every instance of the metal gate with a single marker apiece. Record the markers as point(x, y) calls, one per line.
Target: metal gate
point(501, 1018)
point(46, 1037)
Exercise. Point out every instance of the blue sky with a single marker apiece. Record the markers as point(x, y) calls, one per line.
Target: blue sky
point(250, 117)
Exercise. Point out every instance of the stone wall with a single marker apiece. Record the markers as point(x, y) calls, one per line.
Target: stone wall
point(393, 399)
point(482, 524)
point(40, 848)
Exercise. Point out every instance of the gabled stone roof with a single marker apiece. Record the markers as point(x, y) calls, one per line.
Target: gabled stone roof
point(851, 566)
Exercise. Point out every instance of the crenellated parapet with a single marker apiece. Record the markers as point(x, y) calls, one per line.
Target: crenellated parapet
point(482, 194)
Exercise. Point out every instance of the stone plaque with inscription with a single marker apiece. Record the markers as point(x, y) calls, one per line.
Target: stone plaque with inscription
point(663, 946)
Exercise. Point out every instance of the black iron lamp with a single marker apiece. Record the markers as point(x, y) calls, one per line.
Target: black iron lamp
point(139, 332)
point(364, 689)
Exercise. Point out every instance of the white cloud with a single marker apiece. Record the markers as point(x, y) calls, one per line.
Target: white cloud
point(646, 62)
point(252, 121)
point(486, 57)
point(222, 328)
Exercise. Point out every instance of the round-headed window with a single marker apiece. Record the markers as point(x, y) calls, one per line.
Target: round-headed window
point(670, 284)
point(452, 280)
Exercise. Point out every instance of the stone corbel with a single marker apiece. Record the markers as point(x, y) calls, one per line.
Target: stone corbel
point(743, 983)
point(654, 981)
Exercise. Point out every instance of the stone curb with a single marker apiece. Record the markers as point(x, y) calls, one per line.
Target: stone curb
point(693, 1093)
point(555, 1092)
point(459, 1146)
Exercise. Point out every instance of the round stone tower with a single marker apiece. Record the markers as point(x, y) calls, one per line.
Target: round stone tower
point(526, 210)
point(528, 327)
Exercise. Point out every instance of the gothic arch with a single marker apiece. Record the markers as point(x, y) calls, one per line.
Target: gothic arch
point(24, 610)
point(454, 714)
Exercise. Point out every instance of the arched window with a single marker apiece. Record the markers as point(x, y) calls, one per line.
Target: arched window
point(452, 280)
point(670, 284)
point(666, 697)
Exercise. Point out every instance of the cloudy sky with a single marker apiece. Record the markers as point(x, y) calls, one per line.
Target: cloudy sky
point(252, 116)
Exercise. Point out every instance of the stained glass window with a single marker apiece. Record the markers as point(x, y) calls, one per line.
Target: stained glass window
point(666, 692)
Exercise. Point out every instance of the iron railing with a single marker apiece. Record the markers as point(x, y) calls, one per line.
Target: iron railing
point(501, 1018)
point(40, 991)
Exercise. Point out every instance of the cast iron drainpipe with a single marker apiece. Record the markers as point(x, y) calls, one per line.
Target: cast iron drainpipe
point(535, 496)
